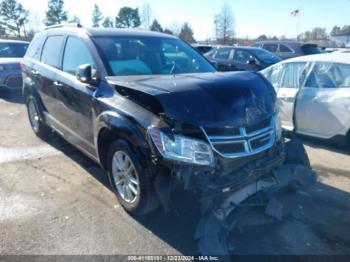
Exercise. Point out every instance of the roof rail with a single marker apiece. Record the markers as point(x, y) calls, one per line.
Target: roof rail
point(77, 25)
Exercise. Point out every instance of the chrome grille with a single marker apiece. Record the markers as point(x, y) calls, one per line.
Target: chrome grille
point(243, 141)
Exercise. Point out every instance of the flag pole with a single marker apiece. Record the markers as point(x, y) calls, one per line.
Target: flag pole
point(298, 24)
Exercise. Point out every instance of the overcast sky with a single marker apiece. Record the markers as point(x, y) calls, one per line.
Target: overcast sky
point(252, 17)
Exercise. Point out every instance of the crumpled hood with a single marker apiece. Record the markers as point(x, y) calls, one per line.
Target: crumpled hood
point(209, 99)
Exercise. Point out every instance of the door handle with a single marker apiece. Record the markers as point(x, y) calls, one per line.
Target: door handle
point(34, 72)
point(57, 84)
point(287, 99)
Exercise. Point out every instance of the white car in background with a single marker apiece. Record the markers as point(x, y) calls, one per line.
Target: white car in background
point(314, 94)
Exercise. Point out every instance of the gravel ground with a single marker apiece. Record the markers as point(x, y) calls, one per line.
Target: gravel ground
point(53, 200)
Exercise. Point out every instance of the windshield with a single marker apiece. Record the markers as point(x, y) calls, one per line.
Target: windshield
point(12, 49)
point(125, 56)
point(266, 57)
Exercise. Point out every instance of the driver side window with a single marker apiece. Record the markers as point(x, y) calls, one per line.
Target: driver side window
point(273, 74)
point(76, 53)
point(242, 56)
point(223, 53)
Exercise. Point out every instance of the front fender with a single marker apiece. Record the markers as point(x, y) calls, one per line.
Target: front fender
point(122, 127)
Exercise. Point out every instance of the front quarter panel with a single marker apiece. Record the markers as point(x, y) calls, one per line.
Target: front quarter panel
point(124, 118)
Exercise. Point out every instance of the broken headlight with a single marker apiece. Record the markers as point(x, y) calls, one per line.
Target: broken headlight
point(180, 148)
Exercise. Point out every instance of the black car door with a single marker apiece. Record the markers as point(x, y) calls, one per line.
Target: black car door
point(43, 73)
point(243, 60)
point(223, 59)
point(76, 97)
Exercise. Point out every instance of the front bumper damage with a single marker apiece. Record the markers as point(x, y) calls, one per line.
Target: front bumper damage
point(218, 218)
point(222, 189)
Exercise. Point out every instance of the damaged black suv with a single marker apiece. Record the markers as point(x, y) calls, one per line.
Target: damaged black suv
point(151, 110)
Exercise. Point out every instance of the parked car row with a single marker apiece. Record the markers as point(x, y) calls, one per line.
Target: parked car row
point(229, 58)
point(224, 58)
point(260, 55)
point(11, 52)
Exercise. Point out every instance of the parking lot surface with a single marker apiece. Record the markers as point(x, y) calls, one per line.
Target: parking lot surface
point(54, 200)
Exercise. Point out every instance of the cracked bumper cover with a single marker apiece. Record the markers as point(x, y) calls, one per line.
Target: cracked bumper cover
point(216, 222)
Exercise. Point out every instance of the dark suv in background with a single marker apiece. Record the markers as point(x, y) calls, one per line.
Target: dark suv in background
point(11, 53)
point(288, 49)
point(151, 110)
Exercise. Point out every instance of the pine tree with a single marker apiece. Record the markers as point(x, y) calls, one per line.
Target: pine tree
point(128, 17)
point(108, 22)
point(55, 13)
point(96, 16)
point(155, 26)
point(13, 16)
point(186, 33)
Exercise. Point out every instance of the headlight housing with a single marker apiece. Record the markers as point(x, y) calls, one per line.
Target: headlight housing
point(181, 148)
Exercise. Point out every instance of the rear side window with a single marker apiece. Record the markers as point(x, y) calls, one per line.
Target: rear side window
point(51, 50)
point(329, 75)
point(34, 48)
point(204, 49)
point(271, 47)
point(76, 53)
point(223, 53)
point(311, 49)
point(285, 49)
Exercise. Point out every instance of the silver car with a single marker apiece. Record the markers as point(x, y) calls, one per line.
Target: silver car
point(314, 94)
point(11, 53)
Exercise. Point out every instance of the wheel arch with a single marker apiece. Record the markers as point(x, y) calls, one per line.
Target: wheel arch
point(112, 126)
point(30, 90)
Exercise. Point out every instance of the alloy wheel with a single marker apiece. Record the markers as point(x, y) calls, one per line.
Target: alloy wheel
point(125, 177)
point(33, 115)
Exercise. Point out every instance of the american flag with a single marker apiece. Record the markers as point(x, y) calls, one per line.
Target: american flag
point(295, 13)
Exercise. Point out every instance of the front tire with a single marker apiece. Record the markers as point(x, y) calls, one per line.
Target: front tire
point(132, 184)
point(35, 120)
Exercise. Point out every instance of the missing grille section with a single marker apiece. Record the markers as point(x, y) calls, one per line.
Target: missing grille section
point(222, 131)
point(260, 142)
point(229, 148)
point(261, 125)
point(234, 142)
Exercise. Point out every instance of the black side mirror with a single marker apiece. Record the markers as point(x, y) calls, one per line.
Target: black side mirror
point(83, 73)
point(252, 62)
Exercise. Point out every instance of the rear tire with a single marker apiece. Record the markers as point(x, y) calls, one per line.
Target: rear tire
point(36, 121)
point(133, 185)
